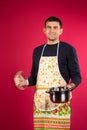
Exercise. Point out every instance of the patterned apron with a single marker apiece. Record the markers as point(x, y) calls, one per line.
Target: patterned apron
point(48, 115)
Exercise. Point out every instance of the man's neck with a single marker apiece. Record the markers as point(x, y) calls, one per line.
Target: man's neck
point(52, 42)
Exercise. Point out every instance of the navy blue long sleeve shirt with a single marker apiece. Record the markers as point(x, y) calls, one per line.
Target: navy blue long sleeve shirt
point(67, 59)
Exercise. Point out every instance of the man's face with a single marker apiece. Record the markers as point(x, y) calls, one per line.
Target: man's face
point(52, 30)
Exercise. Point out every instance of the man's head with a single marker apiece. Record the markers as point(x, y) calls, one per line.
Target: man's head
point(53, 29)
point(53, 19)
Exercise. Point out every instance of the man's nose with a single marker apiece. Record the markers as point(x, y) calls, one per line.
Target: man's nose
point(52, 30)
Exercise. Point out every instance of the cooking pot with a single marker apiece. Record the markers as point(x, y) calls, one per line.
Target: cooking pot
point(59, 94)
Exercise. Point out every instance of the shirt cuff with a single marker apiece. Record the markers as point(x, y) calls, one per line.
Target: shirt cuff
point(27, 82)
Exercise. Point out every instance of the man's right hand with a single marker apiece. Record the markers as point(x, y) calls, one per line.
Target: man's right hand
point(20, 82)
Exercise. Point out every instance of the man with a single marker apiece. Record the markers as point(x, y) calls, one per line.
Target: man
point(54, 64)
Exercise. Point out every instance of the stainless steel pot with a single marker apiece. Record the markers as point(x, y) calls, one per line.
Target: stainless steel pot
point(59, 94)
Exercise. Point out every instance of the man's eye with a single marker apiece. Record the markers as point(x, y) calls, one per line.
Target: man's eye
point(55, 27)
point(48, 27)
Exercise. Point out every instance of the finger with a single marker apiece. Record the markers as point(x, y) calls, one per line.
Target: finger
point(70, 95)
point(18, 79)
point(17, 76)
point(20, 87)
point(17, 82)
point(19, 72)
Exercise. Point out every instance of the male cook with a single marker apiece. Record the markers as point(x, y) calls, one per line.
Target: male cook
point(55, 63)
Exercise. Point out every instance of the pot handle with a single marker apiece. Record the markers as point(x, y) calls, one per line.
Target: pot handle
point(70, 89)
point(47, 92)
point(50, 92)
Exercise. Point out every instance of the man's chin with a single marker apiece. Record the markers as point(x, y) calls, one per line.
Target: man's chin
point(52, 39)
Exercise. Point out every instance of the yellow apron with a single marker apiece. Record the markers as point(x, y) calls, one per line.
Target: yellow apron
point(48, 115)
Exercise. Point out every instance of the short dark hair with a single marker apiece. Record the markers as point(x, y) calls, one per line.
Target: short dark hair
point(53, 18)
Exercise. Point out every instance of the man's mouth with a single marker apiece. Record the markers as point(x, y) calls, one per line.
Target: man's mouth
point(51, 34)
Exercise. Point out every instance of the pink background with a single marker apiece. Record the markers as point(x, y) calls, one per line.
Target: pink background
point(21, 30)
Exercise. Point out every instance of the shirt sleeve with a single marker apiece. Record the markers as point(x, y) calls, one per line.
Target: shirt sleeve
point(32, 77)
point(73, 67)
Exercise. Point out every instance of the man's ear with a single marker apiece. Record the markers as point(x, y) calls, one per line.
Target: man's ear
point(44, 30)
point(61, 31)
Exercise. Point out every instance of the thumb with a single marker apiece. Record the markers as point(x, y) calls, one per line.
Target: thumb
point(70, 96)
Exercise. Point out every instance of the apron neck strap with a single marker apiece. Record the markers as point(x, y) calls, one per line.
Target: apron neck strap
point(43, 49)
point(58, 49)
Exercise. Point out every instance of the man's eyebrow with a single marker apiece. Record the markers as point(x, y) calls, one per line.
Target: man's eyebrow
point(51, 26)
point(55, 26)
point(48, 25)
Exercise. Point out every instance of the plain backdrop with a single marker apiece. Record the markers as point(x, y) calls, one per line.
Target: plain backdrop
point(21, 30)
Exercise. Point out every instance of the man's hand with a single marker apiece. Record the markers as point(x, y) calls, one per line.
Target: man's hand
point(71, 86)
point(20, 82)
